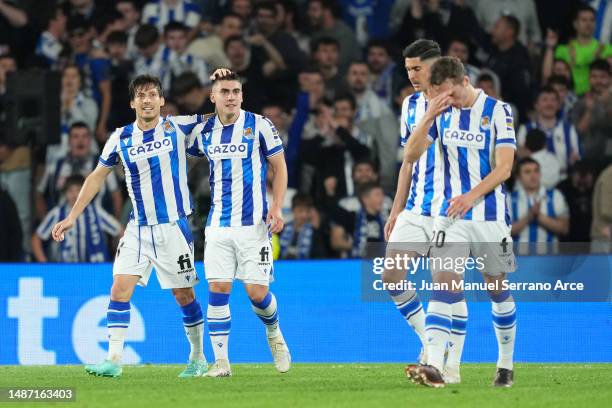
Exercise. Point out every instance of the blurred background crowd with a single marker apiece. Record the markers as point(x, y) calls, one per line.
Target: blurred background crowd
point(330, 75)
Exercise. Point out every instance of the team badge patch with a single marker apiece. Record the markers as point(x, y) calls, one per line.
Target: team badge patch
point(168, 127)
point(248, 133)
point(485, 123)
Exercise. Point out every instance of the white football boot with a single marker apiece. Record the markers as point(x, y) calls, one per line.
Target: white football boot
point(221, 368)
point(280, 353)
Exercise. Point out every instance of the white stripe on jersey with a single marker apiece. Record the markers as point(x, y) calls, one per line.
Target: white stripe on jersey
point(159, 14)
point(468, 139)
point(237, 156)
point(155, 168)
point(425, 197)
point(519, 203)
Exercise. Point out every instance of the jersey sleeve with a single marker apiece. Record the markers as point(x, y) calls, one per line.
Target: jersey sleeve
point(100, 69)
point(109, 224)
point(433, 132)
point(404, 129)
point(186, 123)
point(194, 146)
point(46, 226)
point(503, 124)
point(269, 140)
point(559, 204)
point(110, 153)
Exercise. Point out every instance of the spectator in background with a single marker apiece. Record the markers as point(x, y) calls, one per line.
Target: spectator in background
point(96, 66)
point(563, 87)
point(489, 82)
point(270, 35)
point(279, 119)
point(211, 47)
point(110, 21)
point(538, 214)
point(509, 59)
point(375, 118)
point(121, 72)
point(422, 20)
point(153, 58)
point(191, 96)
point(289, 19)
point(601, 228)
point(302, 238)
point(131, 21)
point(550, 170)
point(79, 160)
point(584, 49)
point(243, 8)
point(323, 18)
point(49, 45)
point(561, 136)
point(76, 107)
point(11, 238)
point(326, 56)
point(592, 115)
point(84, 8)
point(364, 171)
point(578, 192)
point(489, 11)
point(382, 69)
point(85, 243)
point(369, 19)
point(161, 12)
point(603, 22)
point(352, 231)
point(175, 37)
point(459, 48)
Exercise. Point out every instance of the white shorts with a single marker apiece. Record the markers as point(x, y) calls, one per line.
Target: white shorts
point(412, 231)
point(167, 247)
point(243, 253)
point(488, 242)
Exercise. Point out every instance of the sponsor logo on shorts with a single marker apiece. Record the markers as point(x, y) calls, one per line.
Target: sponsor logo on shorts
point(184, 262)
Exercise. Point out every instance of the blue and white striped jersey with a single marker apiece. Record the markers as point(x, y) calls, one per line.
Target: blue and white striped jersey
point(85, 242)
point(425, 196)
point(49, 48)
point(552, 203)
point(155, 168)
point(237, 156)
point(159, 65)
point(561, 140)
point(468, 139)
point(158, 13)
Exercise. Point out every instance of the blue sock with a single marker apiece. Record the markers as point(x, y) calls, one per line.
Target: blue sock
point(219, 323)
point(193, 321)
point(266, 310)
point(117, 321)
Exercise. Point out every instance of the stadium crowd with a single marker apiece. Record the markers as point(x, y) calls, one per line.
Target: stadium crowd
point(330, 76)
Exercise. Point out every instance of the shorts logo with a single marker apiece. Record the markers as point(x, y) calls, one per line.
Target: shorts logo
point(227, 151)
point(504, 244)
point(463, 138)
point(184, 262)
point(265, 254)
point(150, 149)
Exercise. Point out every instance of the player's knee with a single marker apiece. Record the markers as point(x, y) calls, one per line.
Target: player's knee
point(392, 275)
point(183, 296)
point(120, 292)
point(257, 294)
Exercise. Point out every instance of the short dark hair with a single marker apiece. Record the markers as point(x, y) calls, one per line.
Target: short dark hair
point(599, 65)
point(77, 22)
point(378, 43)
point(423, 49)
point(485, 77)
point(185, 83)
point(366, 188)
point(77, 125)
point(232, 76)
point(547, 89)
point(362, 162)
point(346, 97)
point(142, 81)
point(535, 140)
point(525, 161)
point(105, 19)
point(175, 26)
point(117, 37)
point(325, 40)
point(584, 7)
point(146, 35)
point(513, 22)
point(73, 180)
point(266, 5)
point(301, 200)
point(231, 14)
point(560, 80)
point(446, 68)
point(233, 38)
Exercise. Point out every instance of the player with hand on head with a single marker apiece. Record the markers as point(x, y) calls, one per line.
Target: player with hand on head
point(476, 136)
point(239, 145)
point(152, 152)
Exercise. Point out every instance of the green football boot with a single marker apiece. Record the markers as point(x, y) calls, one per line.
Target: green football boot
point(196, 368)
point(107, 368)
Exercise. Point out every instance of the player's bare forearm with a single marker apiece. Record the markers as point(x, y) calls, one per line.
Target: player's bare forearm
point(418, 141)
point(91, 187)
point(558, 226)
point(403, 187)
point(279, 182)
point(504, 157)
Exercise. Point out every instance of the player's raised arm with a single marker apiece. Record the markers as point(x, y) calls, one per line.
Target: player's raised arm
point(91, 187)
point(425, 133)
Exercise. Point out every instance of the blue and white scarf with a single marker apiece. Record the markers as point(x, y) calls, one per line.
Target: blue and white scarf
point(304, 241)
point(360, 236)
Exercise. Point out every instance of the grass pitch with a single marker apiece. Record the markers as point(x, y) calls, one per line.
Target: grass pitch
point(319, 385)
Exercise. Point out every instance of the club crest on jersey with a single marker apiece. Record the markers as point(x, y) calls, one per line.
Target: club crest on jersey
point(168, 127)
point(150, 149)
point(485, 123)
point(248, 133)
